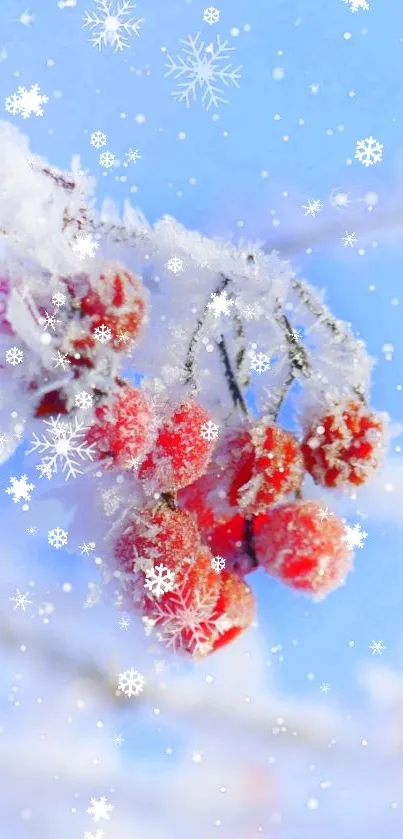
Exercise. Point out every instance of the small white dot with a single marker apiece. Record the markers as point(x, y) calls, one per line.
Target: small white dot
point(313, 804)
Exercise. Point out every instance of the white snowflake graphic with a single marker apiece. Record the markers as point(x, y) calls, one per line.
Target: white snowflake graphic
point(313, 207)
point(98, 139)
point(102, 334)
point(349, 240)
point(26, 102)
point(209, 430)
point(175, 265)
point(20, 489)
point(357, 4)
point(100, 808)
point(377, 647)
point(49, 320)
point(86, 547)
point(218, 563)
point(211, 15)
point(58, 299)
point(20, 600)
point(85, 246)
point(220, 304)
point(124, 623)
point(83, 400)
point(324, 513)
point(62, 445)
point(159, 580)
point(57, 537)
point(369, 151)
point(107, 159)
point(260, 362)
point(133, 155)
point(354, 537)
point(203, 68)
point(14, 356)
point(123, 337)
point(61, 360)
point(252, 311)
point(192, 614)
point(112, 24)
point(98, 835)
point(131, 683)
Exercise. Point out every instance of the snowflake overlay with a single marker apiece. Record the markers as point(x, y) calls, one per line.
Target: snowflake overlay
point(211, 15)
point(354, 537)
point(218, 563)
point(131, 683)
point(85, 246)
point(26, 102)
point(14, 356)
point(191, 615)
point(202, 69)
point(57, 538)
point(98, 139)
point(20, 600)
point(20, 489)
point(209, 431)
point(260, 362)
point(220, 304)
point(159, 580)
point(112, 24)
point(100, 808)
point(62, 445)
point(369, 151)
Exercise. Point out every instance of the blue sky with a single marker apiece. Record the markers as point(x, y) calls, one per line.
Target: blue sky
point(247, 170)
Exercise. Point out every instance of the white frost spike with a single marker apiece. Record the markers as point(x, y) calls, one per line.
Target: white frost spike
point(23, 323)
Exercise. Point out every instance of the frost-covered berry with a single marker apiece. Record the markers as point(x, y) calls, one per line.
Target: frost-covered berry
point(53, 402)
point(158, 535)
point(345, 446)
point(205, 610)
point(118, 302)
point(264, 466)
point(294, 543)
point(124, 429)
point(233, 540)
point(181, 453)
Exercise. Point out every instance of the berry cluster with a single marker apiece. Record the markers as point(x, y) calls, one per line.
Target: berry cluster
point(206, 512)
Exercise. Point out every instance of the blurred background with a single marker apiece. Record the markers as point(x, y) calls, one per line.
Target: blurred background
point(296, 730)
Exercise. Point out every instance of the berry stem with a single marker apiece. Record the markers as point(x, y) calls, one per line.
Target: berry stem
point(323, 316)
point(233, 385)
point(191, 357)
point(297, 356)
point(249, 544)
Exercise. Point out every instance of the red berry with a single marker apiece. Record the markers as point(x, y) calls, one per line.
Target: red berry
point(181, 453)
point(232, 539)
point(344, 446)
point(123, 430)
point(205, 610)
point(52, 402)
point(265, 465)
point(158, 535)
point(119, 303)
point(296, 545)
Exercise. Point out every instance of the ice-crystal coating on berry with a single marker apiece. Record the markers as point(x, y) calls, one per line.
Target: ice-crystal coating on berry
point(180, 454)
point(345, 446)
point(117, 302)
point(295, 544)
point(158, 535)
point(205, 611)
point(124, 429)
point(266, 465)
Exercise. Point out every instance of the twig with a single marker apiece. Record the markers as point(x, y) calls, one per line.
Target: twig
point(233, 385)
